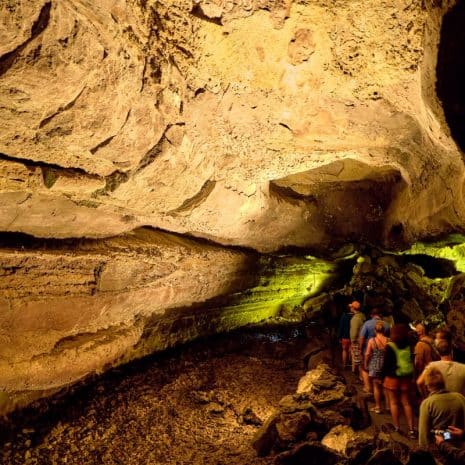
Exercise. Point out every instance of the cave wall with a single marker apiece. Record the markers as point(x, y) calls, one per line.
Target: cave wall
point(260, 124)
point(186, 115)
point(72, 308)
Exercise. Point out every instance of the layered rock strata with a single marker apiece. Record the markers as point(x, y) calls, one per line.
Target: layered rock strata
point(262, 123)
point(92, 304)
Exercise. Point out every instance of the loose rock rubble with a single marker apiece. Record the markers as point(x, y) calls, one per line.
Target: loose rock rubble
point(200, 405)
point(226, 402)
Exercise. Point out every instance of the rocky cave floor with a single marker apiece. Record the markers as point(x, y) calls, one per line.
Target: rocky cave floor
point(200, 404)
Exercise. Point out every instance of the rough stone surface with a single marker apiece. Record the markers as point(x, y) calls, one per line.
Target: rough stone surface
point(249, 123)
point(72, 308)
point(322, 386)
point(157, 412)
point(262, 124)
point(312, 453)
point(340, 436)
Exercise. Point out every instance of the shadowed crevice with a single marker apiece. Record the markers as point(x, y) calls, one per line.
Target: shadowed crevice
point(196, 200)
point(451, 72)
point(8, 60)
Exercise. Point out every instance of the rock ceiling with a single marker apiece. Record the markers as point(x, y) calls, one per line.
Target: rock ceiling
point(245, 122)
point(261, 124)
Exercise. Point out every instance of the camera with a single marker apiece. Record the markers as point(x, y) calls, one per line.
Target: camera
point(444, 433)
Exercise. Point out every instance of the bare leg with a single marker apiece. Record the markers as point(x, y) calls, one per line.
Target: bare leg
point(366, 380)
point(345, 357)
point(386, 399)
point(394, 406)
point(377, 393)
point(408, 410)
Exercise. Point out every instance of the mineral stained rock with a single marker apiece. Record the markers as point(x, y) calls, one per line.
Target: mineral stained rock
point(253, 123)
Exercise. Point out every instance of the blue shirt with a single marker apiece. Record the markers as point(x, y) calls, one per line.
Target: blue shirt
point(368, 328)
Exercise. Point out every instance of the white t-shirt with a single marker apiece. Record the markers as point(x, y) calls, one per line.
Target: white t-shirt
point(453, 373)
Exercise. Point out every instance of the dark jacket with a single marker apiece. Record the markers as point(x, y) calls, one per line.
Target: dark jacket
point(344, 326)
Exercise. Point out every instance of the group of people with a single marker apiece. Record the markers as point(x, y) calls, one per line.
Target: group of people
point(409, 370)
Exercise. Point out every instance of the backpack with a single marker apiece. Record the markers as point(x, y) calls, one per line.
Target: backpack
point(403, 360)
point(376, 362)
point(434, 352)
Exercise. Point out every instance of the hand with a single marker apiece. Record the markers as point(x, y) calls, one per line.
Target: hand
point(438, 438)
point(455, 432)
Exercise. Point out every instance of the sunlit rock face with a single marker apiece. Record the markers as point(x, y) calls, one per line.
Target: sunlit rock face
point(89, 303)
point(261, 123)
point(255, 123)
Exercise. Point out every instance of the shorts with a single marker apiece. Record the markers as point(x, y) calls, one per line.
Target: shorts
point(345, 343)
point(356, 355)
point(403, 384)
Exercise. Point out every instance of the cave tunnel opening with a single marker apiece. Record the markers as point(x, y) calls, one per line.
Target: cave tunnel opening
point(434, 267)
point(451, 71)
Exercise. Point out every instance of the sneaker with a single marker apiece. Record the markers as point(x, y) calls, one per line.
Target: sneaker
point(412, 434)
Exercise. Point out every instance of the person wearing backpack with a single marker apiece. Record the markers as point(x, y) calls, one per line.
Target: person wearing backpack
point(398, 376)
point(453, 372)
point(374, 361)
point(425, 352)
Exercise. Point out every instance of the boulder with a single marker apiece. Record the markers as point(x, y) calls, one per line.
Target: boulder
point(322, 386)
point(310, 453)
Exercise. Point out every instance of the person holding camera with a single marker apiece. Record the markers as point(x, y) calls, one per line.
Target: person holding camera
point(440, 409)
point(447, 444)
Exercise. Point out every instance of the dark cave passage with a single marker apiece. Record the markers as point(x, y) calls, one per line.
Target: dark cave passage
point(451, 72)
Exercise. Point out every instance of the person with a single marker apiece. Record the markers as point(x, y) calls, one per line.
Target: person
point(440, 409)
point(374, 361)
point(424, 350)
point(449, 449)
point(344, 336)
point(398, 376)
point(453, 372)
point(367, 331)
point(356, 323)
point(387, 317)
point(443, 333)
